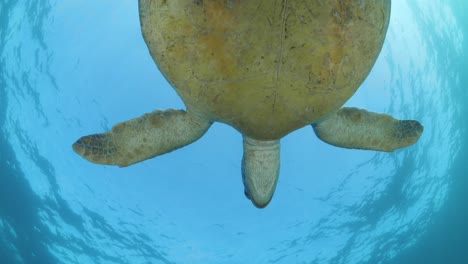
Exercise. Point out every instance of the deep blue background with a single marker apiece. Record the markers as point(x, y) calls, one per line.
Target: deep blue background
point(71, 68)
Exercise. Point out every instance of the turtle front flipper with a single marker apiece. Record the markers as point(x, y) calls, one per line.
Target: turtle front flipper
point(142, 138)
point(351, 127)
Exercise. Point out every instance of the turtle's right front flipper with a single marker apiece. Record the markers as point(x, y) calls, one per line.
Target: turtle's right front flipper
point(350, 127)
point(142, 138)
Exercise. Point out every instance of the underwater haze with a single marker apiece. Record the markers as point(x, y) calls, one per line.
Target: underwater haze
point(71, 68)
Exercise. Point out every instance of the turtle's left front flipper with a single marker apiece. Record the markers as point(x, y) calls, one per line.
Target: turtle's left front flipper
point(142, 138)
point(351, 127)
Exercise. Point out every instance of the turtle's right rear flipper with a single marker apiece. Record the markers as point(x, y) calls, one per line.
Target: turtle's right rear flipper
point(142, 138)
point(351, 127)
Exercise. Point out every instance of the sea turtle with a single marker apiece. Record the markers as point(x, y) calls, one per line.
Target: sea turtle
point(265, 67)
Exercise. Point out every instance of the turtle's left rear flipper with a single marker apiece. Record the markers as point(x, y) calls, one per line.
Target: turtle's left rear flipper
point(142, 138)
point(351, 127)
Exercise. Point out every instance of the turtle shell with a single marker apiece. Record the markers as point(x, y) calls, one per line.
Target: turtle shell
point(266, 67)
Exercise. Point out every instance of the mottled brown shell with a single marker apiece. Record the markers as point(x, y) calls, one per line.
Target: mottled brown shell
point(266, 67)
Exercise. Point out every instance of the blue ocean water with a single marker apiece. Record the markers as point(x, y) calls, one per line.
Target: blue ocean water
point(71, 68)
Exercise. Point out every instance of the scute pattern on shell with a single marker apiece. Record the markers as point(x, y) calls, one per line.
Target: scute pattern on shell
point(266, 67)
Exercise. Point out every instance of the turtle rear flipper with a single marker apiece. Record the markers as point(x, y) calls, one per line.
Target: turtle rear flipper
point(142, 138)
point(351, 127)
